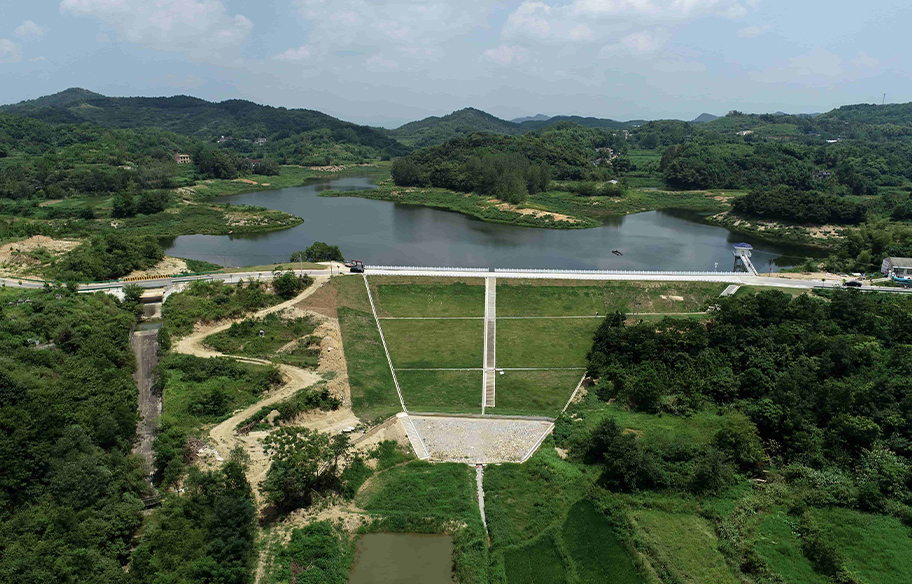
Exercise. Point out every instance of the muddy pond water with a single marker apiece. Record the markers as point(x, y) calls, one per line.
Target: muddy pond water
point(381, 232)
point(403, 558)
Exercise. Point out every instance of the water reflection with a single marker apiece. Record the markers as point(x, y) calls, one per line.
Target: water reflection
point(379, 232)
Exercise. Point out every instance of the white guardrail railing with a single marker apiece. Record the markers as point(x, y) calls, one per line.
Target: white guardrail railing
point(554, 271)
point(427, 269)
point(630, 272)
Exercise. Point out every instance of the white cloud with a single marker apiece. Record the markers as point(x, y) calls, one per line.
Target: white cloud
point(678, 66)
point(344, 36)
point(644, 42)
point(9, 52)
point(30, 30)
point(302, 53)
point(202, 29)
point(506, 55)
point(817, 62)
point(36, 59)
point(865, 60)
point(380, 63)
point(530, 18)
point(751, 32)
point(819, 68)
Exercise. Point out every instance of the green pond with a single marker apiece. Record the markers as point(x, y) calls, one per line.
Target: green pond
point(403, 558)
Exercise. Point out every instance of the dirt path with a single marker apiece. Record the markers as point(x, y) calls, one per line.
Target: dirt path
point(192, 344)
point(223, 437)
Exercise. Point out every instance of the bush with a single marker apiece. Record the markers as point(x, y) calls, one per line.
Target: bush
point(107, 257)
point(318, 252)
point(288, 284)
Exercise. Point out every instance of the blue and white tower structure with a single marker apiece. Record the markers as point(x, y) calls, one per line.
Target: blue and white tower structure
point(742, 253)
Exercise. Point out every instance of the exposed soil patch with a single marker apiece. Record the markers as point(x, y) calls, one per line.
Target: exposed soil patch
point(533, 212)
point(20, 257)
point(322, 301)
point(166, 267)
point(821, 232)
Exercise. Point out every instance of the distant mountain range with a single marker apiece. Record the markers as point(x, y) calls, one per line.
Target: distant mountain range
point(247, 120)
point(704, 118)
point(437, 130)
point(535, 118)
point(199, 118)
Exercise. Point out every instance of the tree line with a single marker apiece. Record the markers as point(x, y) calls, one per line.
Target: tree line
point(789, 203)
point(821, 384)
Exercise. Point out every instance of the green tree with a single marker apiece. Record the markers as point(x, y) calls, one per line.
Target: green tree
point(323, 252)
point(152, 202)
point(123, 206)
point(304, 463)
point(738, 439)
point(287, 284)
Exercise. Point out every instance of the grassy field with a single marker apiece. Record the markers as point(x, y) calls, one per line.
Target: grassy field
point(269, 268)
point(685, 545)
point(523, 500)
point(539, 562)
point(441, 391)
point(243, 338)
point(534, 393)
point(545, 342)
point(210, 301)
point(594, 548)
point(697, 428)
point(200, 391)
point(289, 176)
point(427, 299)
point(581, 298)
point(749, 290)
point(419, 497)
point(875, 547)
point(545, 528)
point(434, 343)
point(372, 388)
point(444, 490)
point(779, 546)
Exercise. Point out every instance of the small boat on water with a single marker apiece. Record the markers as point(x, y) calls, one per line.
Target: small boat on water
point(616, 252)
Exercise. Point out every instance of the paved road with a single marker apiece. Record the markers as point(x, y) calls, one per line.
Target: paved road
point(726, 277)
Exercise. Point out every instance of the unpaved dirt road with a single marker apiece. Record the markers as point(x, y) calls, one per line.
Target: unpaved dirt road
point(223, 437)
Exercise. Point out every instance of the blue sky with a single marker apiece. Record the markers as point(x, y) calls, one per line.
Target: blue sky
point(384, 62)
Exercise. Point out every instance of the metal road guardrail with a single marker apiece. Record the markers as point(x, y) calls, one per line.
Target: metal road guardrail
point(427, 269)
point(629, 272)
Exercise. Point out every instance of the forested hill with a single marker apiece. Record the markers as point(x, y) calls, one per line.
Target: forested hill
point(239, 119)
point(587, 122)
point(865, 113)
point(437, 130)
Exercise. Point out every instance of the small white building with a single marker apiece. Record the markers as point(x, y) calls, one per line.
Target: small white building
point(900, 267)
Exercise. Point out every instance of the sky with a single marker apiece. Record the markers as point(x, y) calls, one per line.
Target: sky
point(386, 62)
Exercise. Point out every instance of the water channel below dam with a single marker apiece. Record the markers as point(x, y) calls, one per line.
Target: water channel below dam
point(385, 233)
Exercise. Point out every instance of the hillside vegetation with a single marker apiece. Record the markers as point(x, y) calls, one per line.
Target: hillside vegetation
point(287, 130)
point(436, 130)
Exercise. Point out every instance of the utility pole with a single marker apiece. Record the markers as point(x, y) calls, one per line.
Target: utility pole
point(884, 101)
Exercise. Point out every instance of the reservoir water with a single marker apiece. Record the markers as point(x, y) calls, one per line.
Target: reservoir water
point(403, 558)
point(385, 233)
